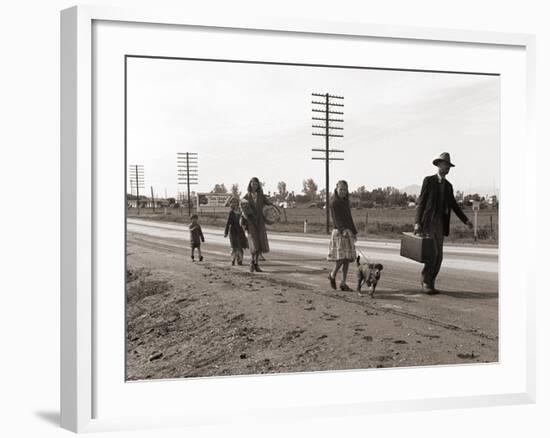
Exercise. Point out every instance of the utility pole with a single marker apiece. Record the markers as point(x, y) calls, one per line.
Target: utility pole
point(137, 180)
point(325, 105)
point(475, 208)
point(188, 172)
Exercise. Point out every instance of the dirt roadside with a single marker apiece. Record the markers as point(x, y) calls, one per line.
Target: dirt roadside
point(188, 319)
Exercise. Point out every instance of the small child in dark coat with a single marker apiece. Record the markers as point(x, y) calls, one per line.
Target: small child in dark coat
point(234, 230)
point(195, 237)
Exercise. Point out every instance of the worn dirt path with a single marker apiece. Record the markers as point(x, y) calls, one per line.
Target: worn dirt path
point(190, 319)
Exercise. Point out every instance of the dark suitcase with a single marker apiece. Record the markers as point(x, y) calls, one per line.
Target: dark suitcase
point(419, 248)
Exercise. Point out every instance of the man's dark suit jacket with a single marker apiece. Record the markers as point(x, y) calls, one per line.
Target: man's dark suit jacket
point(428, 204)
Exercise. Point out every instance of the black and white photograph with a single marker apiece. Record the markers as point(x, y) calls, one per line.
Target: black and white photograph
point(287, 218)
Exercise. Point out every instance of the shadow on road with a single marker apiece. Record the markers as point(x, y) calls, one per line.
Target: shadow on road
point(296, 271)
point(388, 296)
point(293, 259)
point(450, 293)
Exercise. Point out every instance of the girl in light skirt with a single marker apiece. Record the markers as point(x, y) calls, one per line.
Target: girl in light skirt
point(344, 235)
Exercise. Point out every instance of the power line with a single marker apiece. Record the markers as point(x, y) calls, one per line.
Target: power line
point(326, 106)
point(188, 172)
point(137, 180)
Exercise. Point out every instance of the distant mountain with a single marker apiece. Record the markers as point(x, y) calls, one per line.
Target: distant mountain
point(483, 191)
point(413, 189)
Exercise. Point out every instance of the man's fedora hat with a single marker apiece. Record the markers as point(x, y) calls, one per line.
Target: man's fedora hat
point(443, 157)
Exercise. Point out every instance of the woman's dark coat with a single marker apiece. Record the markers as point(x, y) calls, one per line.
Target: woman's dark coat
point(255, 224)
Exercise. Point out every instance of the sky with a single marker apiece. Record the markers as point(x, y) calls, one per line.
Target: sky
point(248, 120)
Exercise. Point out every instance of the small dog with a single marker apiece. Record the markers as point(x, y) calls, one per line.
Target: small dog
point(369, 274)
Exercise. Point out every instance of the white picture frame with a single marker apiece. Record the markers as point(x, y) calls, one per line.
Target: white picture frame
point(80, 365)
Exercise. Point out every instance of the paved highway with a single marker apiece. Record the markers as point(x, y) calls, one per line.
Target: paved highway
point(468, 279)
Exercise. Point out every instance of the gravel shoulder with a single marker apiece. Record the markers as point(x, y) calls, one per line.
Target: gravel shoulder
point(191, 319)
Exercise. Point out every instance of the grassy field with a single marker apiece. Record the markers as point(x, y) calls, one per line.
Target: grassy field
point(372, 222)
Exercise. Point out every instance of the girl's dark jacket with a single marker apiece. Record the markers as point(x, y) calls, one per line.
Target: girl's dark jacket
point(233, 228)
point(341, 214)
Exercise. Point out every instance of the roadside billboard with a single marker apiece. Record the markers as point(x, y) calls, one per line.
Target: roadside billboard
point(213, 201)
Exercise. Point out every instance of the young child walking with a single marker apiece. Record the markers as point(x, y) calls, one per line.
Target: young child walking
point(234, 230)
point(195, 237)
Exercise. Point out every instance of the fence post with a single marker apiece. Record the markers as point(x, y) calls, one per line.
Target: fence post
point(491, 222)
point(305, 226)
point(367, 222)
point(475, 225)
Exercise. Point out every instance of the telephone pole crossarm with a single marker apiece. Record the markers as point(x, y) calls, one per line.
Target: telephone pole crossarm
point(326, 106)
point(188, 172)
point(137, 180)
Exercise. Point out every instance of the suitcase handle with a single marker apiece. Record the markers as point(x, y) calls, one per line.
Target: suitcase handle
point(423, 235)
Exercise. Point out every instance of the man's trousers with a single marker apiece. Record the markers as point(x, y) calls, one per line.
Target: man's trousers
point(431, 268)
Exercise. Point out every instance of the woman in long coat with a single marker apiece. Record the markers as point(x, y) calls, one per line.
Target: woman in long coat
point(343, 237)
point(252, 207)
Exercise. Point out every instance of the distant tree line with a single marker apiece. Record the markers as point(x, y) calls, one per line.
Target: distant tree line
point(359, 198)
point(310, 194)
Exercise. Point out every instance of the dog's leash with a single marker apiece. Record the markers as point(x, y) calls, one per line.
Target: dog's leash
point(362, 254)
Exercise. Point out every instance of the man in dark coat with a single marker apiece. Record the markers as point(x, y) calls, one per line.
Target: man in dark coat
point(433, 216)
